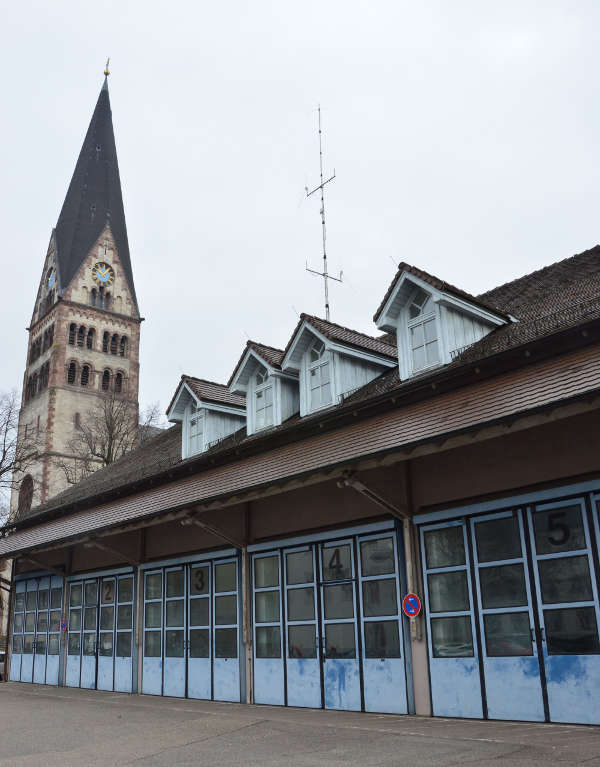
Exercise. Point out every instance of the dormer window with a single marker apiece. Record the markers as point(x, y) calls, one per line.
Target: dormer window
point(319, 376)
point(263, 399)
point(423, 332)
point(196, 430)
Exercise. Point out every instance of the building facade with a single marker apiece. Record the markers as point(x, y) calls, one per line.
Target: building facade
point(85, 327)
point(261, 549)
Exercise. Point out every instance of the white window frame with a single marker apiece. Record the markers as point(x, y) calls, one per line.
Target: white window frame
point(420, 321)
point(193, 411)
point(266, 384)
point(325, 359)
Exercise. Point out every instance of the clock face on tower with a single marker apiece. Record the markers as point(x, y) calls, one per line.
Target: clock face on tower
point(103, 273)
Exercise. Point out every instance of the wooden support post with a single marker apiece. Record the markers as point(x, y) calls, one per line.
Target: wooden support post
point(247, 624)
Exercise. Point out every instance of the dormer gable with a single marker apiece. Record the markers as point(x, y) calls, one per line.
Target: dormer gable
point(433, 321)
point(271, 395)
point(207, 411)
point(332, 361)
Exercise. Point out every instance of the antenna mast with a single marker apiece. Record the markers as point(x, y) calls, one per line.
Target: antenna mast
point(324, 274)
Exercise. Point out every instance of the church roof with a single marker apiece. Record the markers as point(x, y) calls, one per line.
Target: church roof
point(93, 199)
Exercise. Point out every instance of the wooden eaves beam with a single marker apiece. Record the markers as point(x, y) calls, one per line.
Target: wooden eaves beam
point(349, 480)
point(43, 565)
point(95, 543)
point(193, 519)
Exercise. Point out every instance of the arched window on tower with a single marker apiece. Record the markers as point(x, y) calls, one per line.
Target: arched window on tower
point(93, 294)
point(77, 420)
point(123, 346)
point(25, 496)
point(85, 375)
point(80, 336)
point(72, 373)
point(72, 331)
point(105, 341)
point(107, 301)
point(106, 380)
point(114, 343)
point(90, 339)
point(119, 383)
point(34, 384)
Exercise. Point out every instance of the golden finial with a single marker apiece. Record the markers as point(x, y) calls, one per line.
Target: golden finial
point(106, 69)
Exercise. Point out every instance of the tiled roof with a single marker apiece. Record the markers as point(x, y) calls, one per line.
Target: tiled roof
point(549, 301)
point(438, 284)
point(348, 337)
point(269, 354)
point(208, 391)
point(156, 455)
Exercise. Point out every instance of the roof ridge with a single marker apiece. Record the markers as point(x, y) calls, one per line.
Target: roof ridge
point(265, 346)
point(204, 380)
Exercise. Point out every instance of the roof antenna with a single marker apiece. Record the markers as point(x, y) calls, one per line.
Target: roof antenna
point(324, 274)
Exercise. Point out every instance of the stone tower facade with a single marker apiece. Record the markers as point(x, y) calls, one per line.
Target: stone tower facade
point(85, 329)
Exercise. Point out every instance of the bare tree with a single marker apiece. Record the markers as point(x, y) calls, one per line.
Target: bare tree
point(19, 448)
point(108, 431)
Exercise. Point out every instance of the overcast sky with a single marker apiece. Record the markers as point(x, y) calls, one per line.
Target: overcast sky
point(464, 136)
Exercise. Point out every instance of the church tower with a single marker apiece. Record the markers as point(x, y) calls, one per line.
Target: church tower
point(85, 329)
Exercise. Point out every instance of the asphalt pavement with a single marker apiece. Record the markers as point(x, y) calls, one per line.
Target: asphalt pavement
point(60, 726)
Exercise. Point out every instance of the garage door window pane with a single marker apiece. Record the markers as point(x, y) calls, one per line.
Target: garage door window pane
point(302, 642)
point(225, 577)
point(56, 598)
point(301, 604)
point(498, 539)
point(268, 642)
point(30, 621)
point(154, 586)
point(175, 584)
point(40, 644)
point(74, 620)
point(225, 643)
point(126, 590)
point(226, 610)
point(152, 644)
point(31, 600)
point(199, 580)
point(507, 634)
point(91, 593)
point(108, 592)
point(174, 644)
point(377, 557)
point(74, 644)
point(299, 566)
point(266, 572)
point(199, 647)
point(89, 618)
point(559, 530)
point(18, 623)
point(445, 547)
point(124, 615)
point(124, 644)
point(107, 618)
point(28, 644)
point(565, 580)
point(199, 612)
point(89, 644)
point(17, 645)
point(503, 586)
point(339, 601)
point(106, 644)
point(53, 644)
point(339, 640)
point(42, 621)
point(75, 595)
point(175, 613)
point(379, 597)
point(448, 592)
point(452, 637)
point(55, 620)
point(43, 600)
point(382, 639)
point(337, 563)
point(572, 631)
point(153, 615)
point(267, 607)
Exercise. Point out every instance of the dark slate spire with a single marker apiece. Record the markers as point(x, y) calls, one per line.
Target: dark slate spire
point(93, 199)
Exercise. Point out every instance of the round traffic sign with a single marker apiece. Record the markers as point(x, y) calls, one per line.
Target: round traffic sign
point(63, 625)
point(411, 605)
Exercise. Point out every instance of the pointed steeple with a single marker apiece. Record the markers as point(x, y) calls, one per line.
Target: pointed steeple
point(93, 199)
